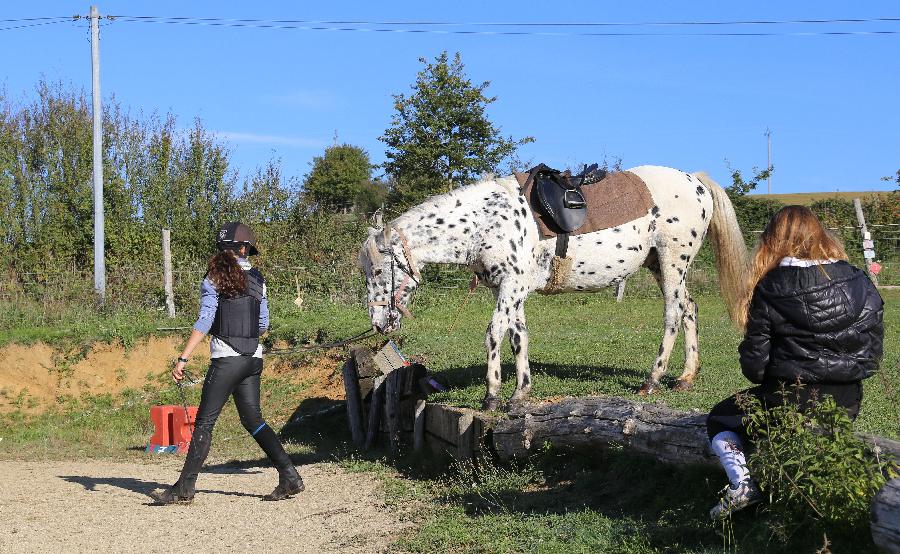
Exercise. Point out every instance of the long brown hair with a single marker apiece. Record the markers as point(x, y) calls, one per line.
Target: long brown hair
point(226, 274)
point(794, 231)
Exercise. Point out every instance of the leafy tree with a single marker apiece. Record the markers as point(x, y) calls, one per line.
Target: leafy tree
point(739, 186)
point(371, 196)
point(265, 198)
point(338, 177)
point(440, 136)
point(893, 178)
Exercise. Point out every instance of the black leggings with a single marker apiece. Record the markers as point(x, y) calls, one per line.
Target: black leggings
point(728, 416)
point(236, 376)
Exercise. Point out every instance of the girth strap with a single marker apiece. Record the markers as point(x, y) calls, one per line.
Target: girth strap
point(562, 244)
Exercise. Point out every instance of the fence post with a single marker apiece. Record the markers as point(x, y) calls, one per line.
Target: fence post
point(167, 271)
point(868, 245)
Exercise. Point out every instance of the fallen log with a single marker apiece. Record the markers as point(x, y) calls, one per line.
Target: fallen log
point(885, 523)
point(586, 423)
point(589, 422)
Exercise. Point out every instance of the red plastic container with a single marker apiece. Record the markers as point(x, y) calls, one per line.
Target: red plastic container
point(173, 428)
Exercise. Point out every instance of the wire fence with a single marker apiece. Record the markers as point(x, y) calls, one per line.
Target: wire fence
point(61, 294)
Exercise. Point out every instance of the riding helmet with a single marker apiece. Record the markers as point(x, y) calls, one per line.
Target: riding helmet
point(233, 234)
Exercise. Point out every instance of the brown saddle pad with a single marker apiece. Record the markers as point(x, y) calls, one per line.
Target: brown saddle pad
point(616, 199)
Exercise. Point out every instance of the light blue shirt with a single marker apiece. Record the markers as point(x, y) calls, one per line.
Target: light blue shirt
point(209, 304)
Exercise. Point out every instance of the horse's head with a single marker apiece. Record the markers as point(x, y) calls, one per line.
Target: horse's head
point(391, 277)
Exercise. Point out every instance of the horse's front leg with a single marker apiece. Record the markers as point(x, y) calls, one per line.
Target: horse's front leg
point(518, 342)
point(492, 341)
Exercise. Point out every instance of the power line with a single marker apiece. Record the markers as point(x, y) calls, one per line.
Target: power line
point(22, 19)
point(409, 27)
point(513, 24)
point(326, 26)
point(41, 24)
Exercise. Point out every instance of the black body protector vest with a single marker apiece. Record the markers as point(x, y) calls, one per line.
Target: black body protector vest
point(237, 319)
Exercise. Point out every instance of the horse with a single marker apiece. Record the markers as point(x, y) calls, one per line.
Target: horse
point(488, 227)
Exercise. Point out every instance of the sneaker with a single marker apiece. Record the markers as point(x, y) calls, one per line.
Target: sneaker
point(736, 498)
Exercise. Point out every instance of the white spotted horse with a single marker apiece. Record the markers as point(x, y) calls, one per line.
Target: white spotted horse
point(488, 227)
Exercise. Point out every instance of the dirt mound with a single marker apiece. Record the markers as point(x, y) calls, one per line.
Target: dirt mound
point(37, 376)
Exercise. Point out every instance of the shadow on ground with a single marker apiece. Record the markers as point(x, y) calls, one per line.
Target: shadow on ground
point(140, 486)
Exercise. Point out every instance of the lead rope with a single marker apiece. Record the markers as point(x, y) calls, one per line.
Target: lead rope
point(355, 338)
point(187, 415)
point(473, 284)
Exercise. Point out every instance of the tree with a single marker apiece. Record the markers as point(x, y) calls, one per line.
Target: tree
point(338, 177)
point(440, 136)
point(265, 197)
point(740, 187)
point(893, 178)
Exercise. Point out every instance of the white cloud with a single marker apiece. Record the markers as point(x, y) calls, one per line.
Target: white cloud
point(255, 138)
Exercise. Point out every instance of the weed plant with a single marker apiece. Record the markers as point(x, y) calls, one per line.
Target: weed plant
point(820, 477)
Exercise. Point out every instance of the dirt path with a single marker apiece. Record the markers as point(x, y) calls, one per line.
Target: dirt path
point(103, 506)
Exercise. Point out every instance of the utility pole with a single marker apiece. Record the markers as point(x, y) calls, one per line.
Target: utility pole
point(99, 254)
point(768, 134)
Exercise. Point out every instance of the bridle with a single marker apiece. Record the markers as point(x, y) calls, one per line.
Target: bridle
point(409, 269)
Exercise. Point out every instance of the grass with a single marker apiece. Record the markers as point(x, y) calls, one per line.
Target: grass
point(807, 198)
point(589, 344)
point(555, 502)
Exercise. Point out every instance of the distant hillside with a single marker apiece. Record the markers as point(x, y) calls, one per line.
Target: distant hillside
point(807, 198)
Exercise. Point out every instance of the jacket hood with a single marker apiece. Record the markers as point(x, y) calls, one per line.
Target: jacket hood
point(819, 298)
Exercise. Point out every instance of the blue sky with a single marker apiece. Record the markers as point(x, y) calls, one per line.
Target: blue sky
point(689, 102)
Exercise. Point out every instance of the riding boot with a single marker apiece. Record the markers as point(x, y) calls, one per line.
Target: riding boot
point(289, 481)
point(182, 492)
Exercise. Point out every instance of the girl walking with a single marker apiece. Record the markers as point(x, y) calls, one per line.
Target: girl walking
point(234, 310)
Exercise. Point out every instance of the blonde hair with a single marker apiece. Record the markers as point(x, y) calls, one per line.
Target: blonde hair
point(794, 231)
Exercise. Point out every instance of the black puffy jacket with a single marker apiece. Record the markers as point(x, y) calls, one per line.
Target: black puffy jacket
point(805, 325)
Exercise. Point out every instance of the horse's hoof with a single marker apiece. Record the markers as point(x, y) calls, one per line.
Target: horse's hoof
point(518, 398)
point(683, 385)
point(490, 404)
point(647, 389)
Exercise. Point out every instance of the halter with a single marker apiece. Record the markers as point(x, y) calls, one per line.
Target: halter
point(411, 273)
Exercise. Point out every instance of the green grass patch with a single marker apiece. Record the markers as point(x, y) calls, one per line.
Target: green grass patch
point(590, 344)
point(556, 502)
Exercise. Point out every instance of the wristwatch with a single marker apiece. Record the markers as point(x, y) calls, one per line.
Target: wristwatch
point(180, 359)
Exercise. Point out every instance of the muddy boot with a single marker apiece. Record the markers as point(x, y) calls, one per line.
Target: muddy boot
point(182, 492)
point(289, 481)
point(176, 494)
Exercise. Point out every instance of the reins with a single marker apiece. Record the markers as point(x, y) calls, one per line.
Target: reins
point(310, 347)
point(181, 385)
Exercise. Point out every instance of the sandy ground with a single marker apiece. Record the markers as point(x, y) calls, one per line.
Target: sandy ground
point(103, 506)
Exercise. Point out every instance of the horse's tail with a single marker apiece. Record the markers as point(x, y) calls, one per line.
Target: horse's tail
point(732, 259)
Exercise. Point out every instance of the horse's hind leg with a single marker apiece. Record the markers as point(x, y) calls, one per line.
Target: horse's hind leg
point(669, 274)
point(691, 346)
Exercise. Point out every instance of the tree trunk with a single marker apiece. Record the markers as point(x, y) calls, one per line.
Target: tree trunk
point(587, 423)
point(886, 517)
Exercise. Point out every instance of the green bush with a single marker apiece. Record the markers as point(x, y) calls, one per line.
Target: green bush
point(817, 472)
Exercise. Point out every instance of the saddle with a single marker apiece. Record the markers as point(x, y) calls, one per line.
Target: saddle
point(563, 204)
point(560, 195)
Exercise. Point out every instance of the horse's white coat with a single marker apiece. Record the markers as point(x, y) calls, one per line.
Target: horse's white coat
point(488, 227)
